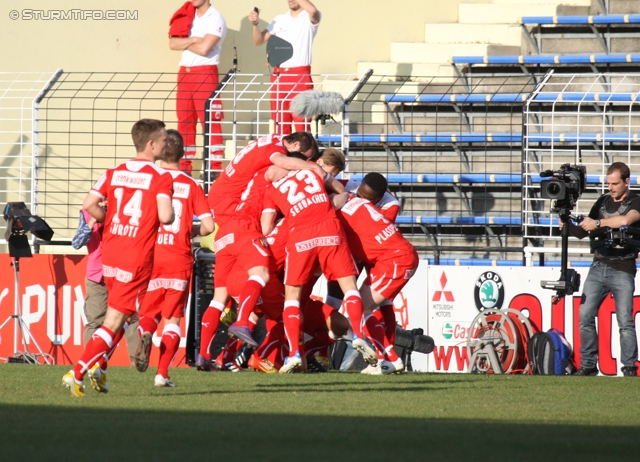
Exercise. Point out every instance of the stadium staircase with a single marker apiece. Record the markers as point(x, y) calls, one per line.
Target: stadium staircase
point(451, 145)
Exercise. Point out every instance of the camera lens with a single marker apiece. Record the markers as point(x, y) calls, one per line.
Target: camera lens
point(553, 189)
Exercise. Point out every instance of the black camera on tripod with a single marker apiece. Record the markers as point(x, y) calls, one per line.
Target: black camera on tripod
point(565, 187)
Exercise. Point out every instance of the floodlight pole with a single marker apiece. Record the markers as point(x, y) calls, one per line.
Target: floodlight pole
point(18, 321)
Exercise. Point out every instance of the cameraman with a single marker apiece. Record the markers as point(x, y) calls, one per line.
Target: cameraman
point(612, 271)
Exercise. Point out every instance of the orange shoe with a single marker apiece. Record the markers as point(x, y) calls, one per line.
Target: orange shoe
point(261, 365)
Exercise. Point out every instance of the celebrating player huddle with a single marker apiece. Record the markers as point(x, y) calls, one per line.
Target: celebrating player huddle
point(283, 220)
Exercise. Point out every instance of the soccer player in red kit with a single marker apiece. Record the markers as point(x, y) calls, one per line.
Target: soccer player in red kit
point(315, 235)
point(390, 259)
point(173, 264)
point(389, 206)
point(139, 197)
point(239, 241)
point(268, 150)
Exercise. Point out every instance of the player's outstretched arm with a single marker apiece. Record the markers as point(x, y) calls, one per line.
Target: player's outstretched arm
point(338, 200)
point(291, 163)
point(274, 173)
point(91, 205)
point(334, 185)
point(165, 210)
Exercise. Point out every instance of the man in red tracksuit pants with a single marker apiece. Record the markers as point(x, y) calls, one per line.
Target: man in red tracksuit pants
point(198, 75)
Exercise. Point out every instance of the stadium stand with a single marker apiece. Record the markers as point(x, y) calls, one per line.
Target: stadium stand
point(451, 145)
point(605, 29)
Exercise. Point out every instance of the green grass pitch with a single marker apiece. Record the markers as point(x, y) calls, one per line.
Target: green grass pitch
point(248, 416)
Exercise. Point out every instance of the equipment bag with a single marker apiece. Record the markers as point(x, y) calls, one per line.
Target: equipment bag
point(550, 354)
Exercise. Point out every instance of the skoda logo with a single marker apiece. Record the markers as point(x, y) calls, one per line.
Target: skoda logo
point(489, 291)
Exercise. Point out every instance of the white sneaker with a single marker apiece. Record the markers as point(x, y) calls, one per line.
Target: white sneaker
point(368, 353)
point(160, 381)
point(291, 364)
point(372, 370)
point(395, 367)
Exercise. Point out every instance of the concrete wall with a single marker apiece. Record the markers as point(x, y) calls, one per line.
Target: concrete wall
point(351, 31)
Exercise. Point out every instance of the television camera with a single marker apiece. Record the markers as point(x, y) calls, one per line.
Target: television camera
point(564, 187)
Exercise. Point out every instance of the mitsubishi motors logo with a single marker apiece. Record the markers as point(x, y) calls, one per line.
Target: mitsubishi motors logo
point(438, 294)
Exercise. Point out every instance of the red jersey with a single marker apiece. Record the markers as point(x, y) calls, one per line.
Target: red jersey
point(131, 225)
point(277, 240)
point(371, 236)
point(255, 156)
point(252, 198)
point(301, 197)
point(173, 245)
point(388, 205)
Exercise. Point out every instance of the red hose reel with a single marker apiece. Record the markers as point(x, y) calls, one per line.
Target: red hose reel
point(497, 342)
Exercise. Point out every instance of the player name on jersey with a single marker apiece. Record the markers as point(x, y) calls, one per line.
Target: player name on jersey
point(386, 233)
point(165, 239)
point(306, 202)
point(123, 230)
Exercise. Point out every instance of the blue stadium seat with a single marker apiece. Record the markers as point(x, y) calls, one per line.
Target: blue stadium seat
point(511, 98)
point(358, 138)
point(549, 59)
point(479, 178)
point(456, 98)
point(475, 221)
point(458, 220)
point(495, 262)
point(426, 138)
point(607, 19)
point(586, 97)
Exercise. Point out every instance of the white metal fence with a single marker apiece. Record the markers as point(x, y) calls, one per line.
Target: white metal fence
point(591, 120)
point(20, 96)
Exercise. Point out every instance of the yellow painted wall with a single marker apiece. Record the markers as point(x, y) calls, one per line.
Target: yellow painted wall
point(351, 31)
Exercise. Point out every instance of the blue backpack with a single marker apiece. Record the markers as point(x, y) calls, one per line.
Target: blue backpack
point(550, 354)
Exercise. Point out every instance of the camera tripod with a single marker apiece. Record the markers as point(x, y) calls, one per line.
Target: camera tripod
point(569, 281)
point(20, 324)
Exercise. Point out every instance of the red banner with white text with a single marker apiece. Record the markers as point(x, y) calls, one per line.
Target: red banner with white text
point(51, 296)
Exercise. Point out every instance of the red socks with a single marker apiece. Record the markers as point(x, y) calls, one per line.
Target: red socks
point(168, 348)
point(209, 327)
point(291, 319)
point(248, 298)
point(147, 325)
point(100, 343)
point(273, 341)
point(102, 362)
point(354, 308)
point(389, 316)
point(375, 325)
point(374, 329)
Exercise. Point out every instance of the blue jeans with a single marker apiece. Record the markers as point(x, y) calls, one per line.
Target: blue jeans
point(601, 281)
